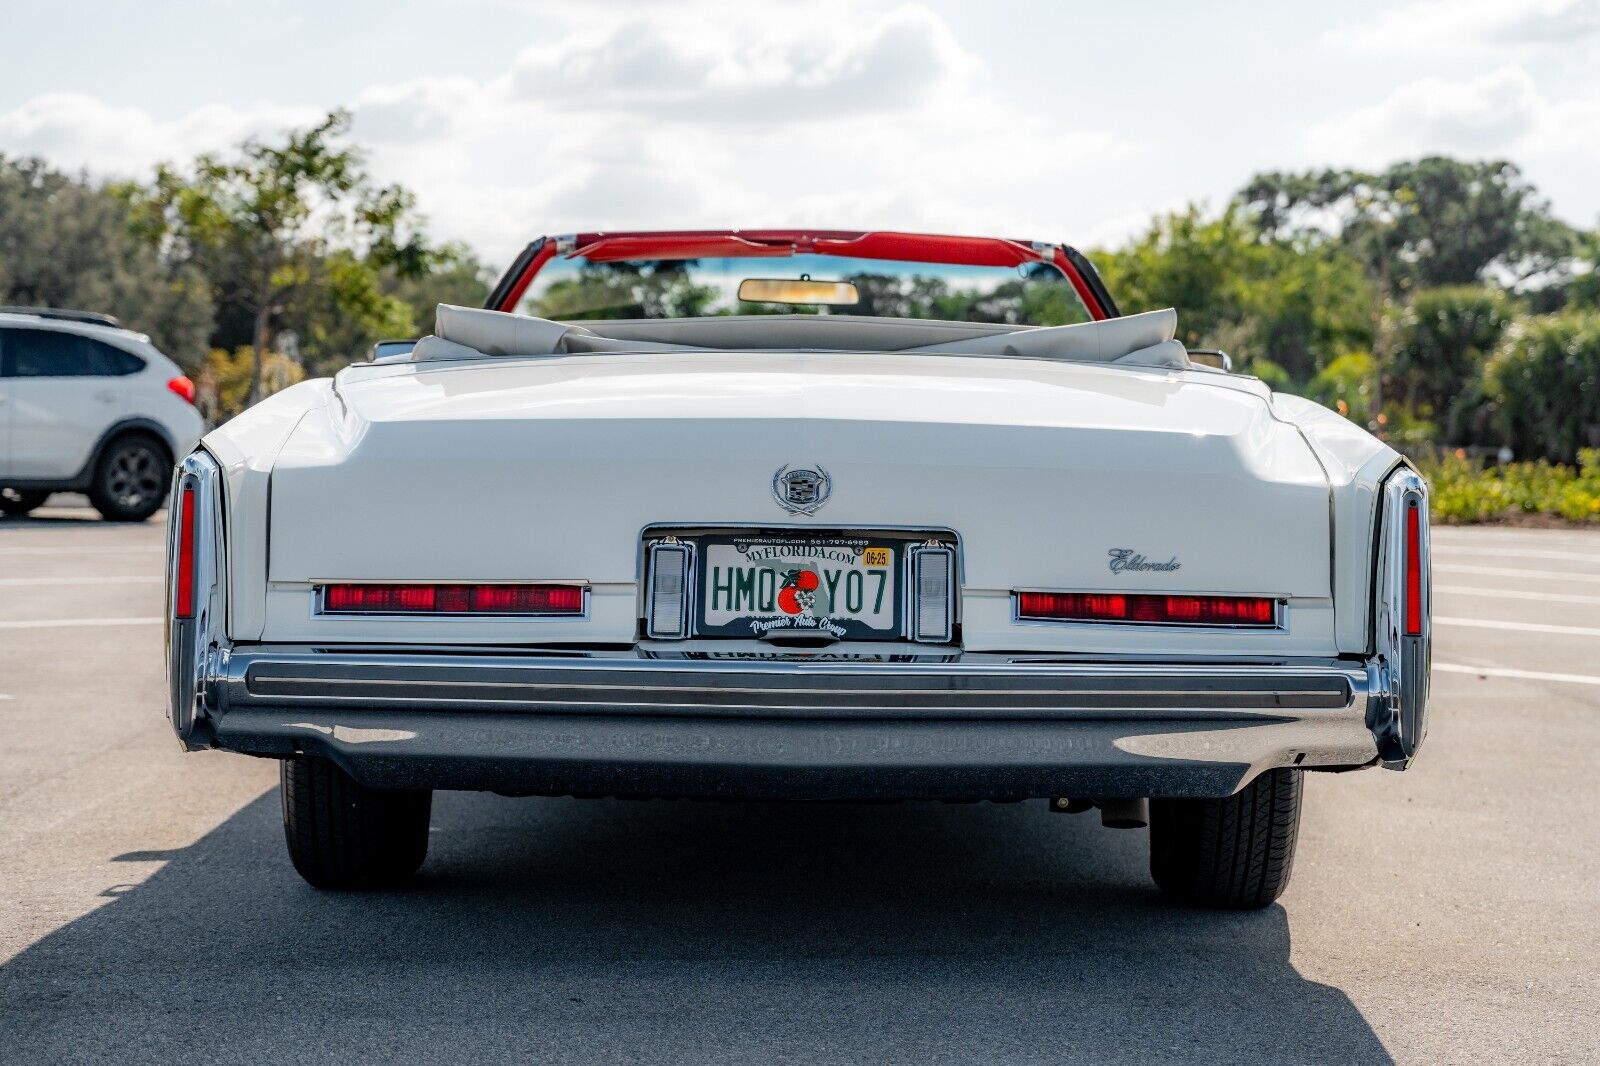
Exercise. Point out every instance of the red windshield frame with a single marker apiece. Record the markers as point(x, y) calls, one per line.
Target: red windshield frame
point(757, 244)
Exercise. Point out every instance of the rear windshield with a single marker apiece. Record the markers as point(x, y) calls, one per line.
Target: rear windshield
point(1035, 294)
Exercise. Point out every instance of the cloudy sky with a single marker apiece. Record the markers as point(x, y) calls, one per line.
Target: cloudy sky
point(1059, 120)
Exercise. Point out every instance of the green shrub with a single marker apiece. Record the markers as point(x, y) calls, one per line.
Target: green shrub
point(1274, 376)
point(1462, 491)
point(1440, 341)
point(1544, 383)
point(1346, 386)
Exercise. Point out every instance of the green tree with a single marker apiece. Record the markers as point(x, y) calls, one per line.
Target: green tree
point(281, 224)
point(223, 388)
point(456, 276)
point(1583, 289)
point(1439, 342)
point(1424, 223)
point(1294, 302)
point(67, 242)
point(1346, 386)
point(333, 325)
point(1544, 383)
point(655, 289)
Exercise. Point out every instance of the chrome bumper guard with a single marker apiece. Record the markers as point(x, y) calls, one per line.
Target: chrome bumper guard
point(618, 723)
point(193, 644)
point(625, 683)
point(1399, 719)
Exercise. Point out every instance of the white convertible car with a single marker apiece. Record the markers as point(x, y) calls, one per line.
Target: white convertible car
point(801, 515)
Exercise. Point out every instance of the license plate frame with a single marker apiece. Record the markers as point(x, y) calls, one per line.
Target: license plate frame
point(721, 597)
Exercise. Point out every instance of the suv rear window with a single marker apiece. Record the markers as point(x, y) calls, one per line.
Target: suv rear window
point(50, 353)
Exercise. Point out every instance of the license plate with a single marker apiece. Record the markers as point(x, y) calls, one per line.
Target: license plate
point(848, 588)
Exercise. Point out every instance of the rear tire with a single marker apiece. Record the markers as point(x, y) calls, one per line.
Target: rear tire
point(344, 835)
point(131, 478)
point(1236, 852)
point(14, 503)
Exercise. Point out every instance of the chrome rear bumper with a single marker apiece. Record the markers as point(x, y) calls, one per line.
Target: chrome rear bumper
point(970, 726)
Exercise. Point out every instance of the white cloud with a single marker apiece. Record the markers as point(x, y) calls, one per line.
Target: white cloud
point(1450, 27)
point(753, 69)
point(1501, 114)
point(1490, 115)
point(75, 130)
point(650, 116)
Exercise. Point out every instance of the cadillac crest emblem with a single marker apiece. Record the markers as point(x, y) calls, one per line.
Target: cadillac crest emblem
point(801, 490)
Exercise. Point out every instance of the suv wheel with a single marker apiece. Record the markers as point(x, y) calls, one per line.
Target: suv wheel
point(1234, 852)
point(17, 502)
point(344, 835)
point(131, 479)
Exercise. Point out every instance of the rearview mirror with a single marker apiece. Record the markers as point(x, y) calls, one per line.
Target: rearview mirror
point(798, 291)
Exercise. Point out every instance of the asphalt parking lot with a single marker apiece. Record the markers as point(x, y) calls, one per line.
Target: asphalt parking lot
point(148, 911)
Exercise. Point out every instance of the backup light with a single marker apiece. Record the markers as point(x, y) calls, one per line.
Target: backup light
point(453, 599)
point(670, 579)
point(933, 569)
point(1147, 608)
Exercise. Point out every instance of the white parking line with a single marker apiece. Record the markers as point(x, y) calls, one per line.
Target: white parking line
point(1512, 594)
point(132, 579)
point(1521, 675)
point(72, 623)
point(1511, 571)
point(1518, 553)
point(1504, 534)
point(1522, 627)
point(90, 550)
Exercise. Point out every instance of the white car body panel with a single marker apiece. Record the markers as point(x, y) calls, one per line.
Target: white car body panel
point(1356, 464)
point(550, 469)
point(55, 422)
point(245, 449)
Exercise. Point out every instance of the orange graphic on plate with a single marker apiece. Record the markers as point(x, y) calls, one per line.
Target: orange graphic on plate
point(799, 592)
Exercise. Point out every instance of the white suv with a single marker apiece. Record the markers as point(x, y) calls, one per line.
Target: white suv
point(86, 406)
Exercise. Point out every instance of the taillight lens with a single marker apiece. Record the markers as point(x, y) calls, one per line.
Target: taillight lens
point(183, 594)
point(183, 387)
point(1413, 570)
point(453, 599)
point(1146, 608)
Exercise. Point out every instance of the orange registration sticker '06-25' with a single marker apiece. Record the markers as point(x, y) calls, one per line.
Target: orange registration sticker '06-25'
point(875, 557)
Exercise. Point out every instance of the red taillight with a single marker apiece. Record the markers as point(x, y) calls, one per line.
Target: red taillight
point(183, 387)
point(1156, 609)
point(183, 594)
point(453, 599)
point(1413, 571)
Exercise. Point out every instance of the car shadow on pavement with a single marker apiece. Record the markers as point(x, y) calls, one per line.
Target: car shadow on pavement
point(86, 520)
point(599, 931)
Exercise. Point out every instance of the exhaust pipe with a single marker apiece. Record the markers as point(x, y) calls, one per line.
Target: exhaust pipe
point(1124, 813)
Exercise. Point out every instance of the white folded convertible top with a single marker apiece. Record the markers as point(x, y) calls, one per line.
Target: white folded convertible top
point(1134, 340)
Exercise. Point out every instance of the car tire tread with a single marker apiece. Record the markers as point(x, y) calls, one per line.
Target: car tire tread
point(343, 835)
point(1232, 852)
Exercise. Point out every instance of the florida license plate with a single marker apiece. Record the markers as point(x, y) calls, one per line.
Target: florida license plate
point(844, 587)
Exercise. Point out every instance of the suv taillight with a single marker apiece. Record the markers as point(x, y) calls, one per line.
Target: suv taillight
point(183, 387)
